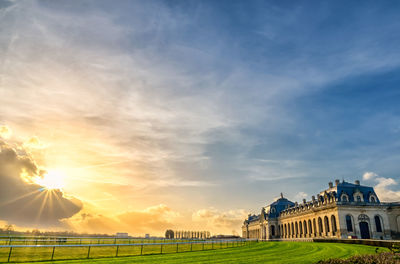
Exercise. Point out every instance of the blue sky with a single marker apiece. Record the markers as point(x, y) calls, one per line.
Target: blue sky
point(221, 103)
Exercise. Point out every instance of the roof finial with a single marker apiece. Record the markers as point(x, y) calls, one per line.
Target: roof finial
point(281, 195)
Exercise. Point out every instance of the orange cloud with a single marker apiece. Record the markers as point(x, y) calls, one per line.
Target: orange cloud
point(5, 132)
point(220, 221)
point(154, 220)
point(34, 142)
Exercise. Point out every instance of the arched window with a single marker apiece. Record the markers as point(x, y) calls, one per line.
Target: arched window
point(300, 228)
point(292, 229)
point(344, 197)
point(333, 223)
point(320, 228)
point(310, 230)
point(358, 198)
point(272, 230)
point(326, 220)
point(378, 223)
point(285, 230)
point(305, 227)
point(314, 227)
point(297, 229)
point(398, 223)
point(349, 223)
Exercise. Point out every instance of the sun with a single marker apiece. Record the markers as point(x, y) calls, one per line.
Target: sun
point(52, 180)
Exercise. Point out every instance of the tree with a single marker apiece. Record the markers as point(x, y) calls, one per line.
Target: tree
point(9, 229)
point(169, 234)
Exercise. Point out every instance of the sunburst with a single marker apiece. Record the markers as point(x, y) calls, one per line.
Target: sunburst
point(53, 179)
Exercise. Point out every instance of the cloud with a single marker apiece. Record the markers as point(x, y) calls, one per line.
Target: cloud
point(369, 175)
point(384, 187)
point(384, 191)
point(220, 221)
point(5, 132)
point(34, 142)
point(154, 220)
point(300, 196)
point(22, 201)
point(179, 103)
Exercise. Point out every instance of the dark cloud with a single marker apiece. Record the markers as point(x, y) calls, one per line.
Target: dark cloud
point(5, 4)
point(23, 202)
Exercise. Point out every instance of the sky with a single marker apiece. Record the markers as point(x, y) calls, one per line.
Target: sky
point(138, 116)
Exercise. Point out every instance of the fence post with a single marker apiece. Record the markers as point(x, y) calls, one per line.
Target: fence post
point(212, 245)
point(116, 253)
point(9, 254)
point(177, 247)
point(191, 244)
point(161, 248)
point(52, 253)
point(203, 246)
point(88, 253)
point(141, 250)
point(9, 241)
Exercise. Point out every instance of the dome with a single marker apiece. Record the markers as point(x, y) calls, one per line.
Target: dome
point(275, 208)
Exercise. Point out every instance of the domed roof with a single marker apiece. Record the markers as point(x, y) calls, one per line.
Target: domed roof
point(275, 208)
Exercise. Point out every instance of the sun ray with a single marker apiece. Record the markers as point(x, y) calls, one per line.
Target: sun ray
point(19, 198)
point(36, 197)
point(43, 204)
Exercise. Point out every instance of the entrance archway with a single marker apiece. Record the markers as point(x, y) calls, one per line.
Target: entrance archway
point(364, 230)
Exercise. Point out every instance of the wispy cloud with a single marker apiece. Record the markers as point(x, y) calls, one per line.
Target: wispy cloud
point(153, 96)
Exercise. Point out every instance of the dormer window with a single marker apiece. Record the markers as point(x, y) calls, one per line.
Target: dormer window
point(358, 196)
point(344, 198)
point(372, 198)
point(273, 210)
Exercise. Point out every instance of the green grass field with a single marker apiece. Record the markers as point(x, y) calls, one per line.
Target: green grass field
point(84, 241)
point(263, 252)
point(21, 253)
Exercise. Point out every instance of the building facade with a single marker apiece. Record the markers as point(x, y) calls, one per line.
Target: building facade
point(344, 210)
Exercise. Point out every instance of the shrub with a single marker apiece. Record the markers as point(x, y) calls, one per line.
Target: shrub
point(382, 258)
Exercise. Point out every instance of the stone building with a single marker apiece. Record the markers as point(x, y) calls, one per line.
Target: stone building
point(344, 210)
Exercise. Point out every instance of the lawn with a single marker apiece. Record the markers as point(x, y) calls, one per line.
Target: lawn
point(263, 252)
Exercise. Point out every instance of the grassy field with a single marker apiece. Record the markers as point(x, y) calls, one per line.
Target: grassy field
point(23, 253)
point(263, 252)
point(83, 241)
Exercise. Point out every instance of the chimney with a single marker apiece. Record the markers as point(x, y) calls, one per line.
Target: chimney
point(337, 182)
point(304, 201)
point(330, 185)
point(313, 198)
point(357, 182)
